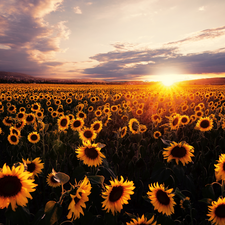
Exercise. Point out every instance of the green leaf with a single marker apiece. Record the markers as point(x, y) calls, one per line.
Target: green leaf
point(97, 179)
point(49, 206)
point(61, 177)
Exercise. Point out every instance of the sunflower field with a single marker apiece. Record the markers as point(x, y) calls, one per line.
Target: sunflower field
point(112, 154)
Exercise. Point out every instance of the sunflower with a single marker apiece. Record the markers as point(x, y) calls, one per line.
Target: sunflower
point(79, 199)
point(30, 118)
point(161, 199)
point(139, 112)
point(76, 124)
point(156, 118)
point(97, 126)
point(142, 220)
point(87, 134)
point(217, 212)
point(51, 181)
point(7, 121)
point(14, 130)
point(39, 114)
point(15, 186)
point(184, 119)
point(116, 194)
point(174, 122)
point(157, 134)
point(114, 108)
point(90, 108)
point(33, 137)
point(204, 124)
point(90, 154)
point(123, 132)
point(54, 114)
point(98, 113)
point(63, 122)
point(20, 124)
point(81, 115)
point(35, 166)
point(35, 107)
point(220, 168)
point(179, 151)
point(199, 114)
point(20, 115)
point(13, 139)
point(143, 128)
point(134, 125)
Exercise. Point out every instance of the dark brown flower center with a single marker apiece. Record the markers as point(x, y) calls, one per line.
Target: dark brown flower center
point(116, 194)
point(220, 211)
point(123, 131)
point(29, 118)
point(178, 152)
point(35, 107)
point(162, 197)
point(184, 120)
point(20, 115)
point(13, 138)
point(204, 123)
point(63, 122)
point(175, 121)
point(76, 123)
point(81, 115)
point(96, 126)
point(34, 137)
point(91, 153)
point(88, 133)
point(31, 167)
point(10, 186)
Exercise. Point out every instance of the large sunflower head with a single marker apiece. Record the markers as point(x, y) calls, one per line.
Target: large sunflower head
point(134, 126)
point(143, 220)
point(15, 186)
point(13, 139)
point(97, 126)
point(87, 134)
point(30, 118)
point(90, 154)
point(220, 168)
point(161, 198)
point(179, 151)
point(116, 194)
point(217, 212)
point(33, 137)
point(76, 124)
point(204, 124)
point(35, 166)
point(63, 122)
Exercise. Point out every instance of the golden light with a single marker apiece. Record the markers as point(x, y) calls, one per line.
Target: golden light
point(169, 80)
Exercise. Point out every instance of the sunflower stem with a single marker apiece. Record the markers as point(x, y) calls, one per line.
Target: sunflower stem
point(191, 214)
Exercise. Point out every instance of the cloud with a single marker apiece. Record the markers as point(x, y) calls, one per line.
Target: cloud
point(204, 34)
point(122, 64)
point(24, 32)
point(77, 10)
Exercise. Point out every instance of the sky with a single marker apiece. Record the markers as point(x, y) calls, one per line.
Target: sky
point(113, 40)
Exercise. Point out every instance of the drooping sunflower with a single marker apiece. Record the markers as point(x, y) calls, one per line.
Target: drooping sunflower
point(13, 139)
point(33, 137)
point(156, 118)
point(87, 134)
point(76, 124)
point(78, 200)
point(142, 220)
point(90, 154)
point(14, 130)
point(161, 199)
point(63, 122)
point(35, 166)
point(217, 212)
point(179, 151)
point(15, 186)
point(7, 121)
point(142, 128)
point(51, 181)
point(116, 194)
point(20, 124)
point(134, 125)
point(204, 124)
point(220, 168)
point(97, 126)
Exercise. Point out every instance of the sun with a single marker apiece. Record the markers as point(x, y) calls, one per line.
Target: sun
point(168, 80)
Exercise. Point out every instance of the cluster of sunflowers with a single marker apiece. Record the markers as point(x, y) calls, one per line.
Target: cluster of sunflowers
point(112, 129)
